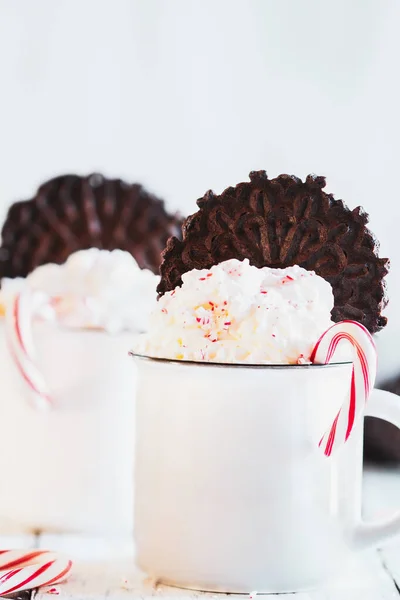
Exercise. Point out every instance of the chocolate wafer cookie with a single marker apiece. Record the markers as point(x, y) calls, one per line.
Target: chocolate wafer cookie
point(72, 213)
point(282, 222)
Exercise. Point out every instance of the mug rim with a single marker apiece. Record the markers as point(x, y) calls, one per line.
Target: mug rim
point(191, 363)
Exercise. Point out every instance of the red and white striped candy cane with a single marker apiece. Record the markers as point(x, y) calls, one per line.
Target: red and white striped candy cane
point(29, 569)
point(362, 378)
point(19, 316)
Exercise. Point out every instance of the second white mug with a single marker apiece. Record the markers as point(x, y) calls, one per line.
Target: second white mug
point(69, 468)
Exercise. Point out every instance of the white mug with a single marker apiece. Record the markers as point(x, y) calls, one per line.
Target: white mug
point(232, 493)
point(69, 468)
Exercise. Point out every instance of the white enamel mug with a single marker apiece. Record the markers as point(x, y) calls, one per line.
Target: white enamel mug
point(69, 468)
point(232, 493)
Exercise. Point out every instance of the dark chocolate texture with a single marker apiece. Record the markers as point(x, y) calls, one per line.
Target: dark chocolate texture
point(71, 213)
point(282, 222)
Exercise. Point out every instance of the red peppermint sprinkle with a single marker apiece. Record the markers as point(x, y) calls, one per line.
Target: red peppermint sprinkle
point(211, 337)
point(287, 278)
point(164, 310)
point(202, 278)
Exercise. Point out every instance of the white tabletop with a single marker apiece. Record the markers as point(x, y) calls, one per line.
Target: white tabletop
point(105, 568)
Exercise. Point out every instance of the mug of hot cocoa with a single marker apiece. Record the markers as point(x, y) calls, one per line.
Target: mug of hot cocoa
point(253, 379)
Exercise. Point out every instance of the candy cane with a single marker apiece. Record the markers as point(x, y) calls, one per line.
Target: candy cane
point(29, 569)
point(19, 315)
point(362, 377)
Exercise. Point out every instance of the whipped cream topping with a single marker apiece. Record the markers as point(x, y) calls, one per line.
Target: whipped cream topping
point(237, 313)
point(93, 289)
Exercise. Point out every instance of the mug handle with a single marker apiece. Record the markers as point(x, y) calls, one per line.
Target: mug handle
point(386, 406)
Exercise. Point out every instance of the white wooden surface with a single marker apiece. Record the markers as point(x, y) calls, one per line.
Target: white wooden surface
point(105, 568)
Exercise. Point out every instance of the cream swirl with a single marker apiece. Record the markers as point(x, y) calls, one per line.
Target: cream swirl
point(238, 313)
point(93, 289)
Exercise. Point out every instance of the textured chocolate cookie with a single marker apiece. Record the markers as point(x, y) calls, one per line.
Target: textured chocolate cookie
point(279, 223)
point(72, 213)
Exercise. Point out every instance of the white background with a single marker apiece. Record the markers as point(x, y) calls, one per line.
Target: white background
point(187, 95)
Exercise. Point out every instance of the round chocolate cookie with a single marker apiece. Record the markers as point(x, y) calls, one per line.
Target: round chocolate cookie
point(282, 222)
point(72, 213)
